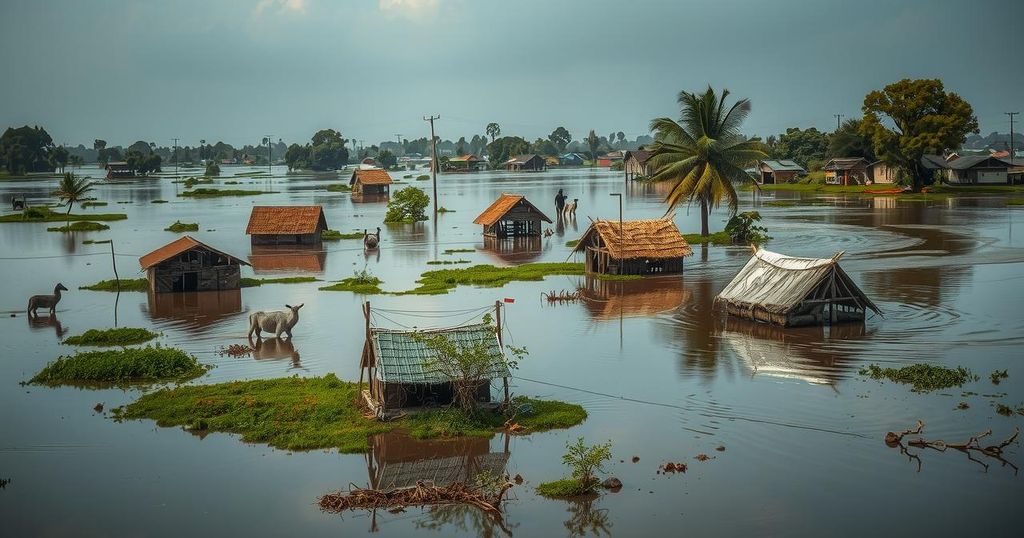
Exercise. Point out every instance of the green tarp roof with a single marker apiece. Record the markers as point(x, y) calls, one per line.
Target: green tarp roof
point(401, 357)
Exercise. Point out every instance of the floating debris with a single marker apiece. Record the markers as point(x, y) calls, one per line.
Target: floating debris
point(422, 494)
point(702, 457)
point(235, 350)
point(564, 296)
point(972, 446)
point(672, 467)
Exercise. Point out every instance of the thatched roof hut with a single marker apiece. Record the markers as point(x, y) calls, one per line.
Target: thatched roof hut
point(641, 247)
point(792, 291)
point(512, 215)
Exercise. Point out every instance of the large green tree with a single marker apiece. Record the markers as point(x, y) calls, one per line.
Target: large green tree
point(593, 142)
point(26, 149)
point(493, 130)
point(560, 137)
point(911, 118)
point(805, 146)
point(848, 141)
point(703, 153)
point(505, 147)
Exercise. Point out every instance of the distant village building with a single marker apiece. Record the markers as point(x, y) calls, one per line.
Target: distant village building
point(846, 171)
point(572, 159)
point(968, 169)
point(635, 164)
point(466, 163)
point(529, 162)
point(370, 181)
point(772, 172)
point(880, 172)
point(286, 225)
point(793, 292)
point(119, 169)
point(641, 247)
point(511, 215)
point(394, 364)
point(189, 265)
point(608, 159)
point(369, 161)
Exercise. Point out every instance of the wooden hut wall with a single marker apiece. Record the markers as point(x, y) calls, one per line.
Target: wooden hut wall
point(402, 395)
point(194, 271)
point(371, 189)
point(288, 239)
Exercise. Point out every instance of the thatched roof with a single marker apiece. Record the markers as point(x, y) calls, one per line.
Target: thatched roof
point(400, 356)
point(778, 283)
point(654, 239)
point(179, 246)
point(288, 220)
point(503, 205)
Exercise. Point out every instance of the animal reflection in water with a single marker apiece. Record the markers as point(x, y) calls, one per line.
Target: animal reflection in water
point(275, 349)
point(276, 322)
point(45, 301)
point(45, 322)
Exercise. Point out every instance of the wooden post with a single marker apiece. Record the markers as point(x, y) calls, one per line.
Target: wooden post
point(497, 317)
point(113, 261)
point(366, 314)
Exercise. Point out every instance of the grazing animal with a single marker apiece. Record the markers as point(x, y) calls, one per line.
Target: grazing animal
point(276, 322)
point(570, 208)
point(371, 241)
point(46, 301)
point(17, 204)
point(548, 232)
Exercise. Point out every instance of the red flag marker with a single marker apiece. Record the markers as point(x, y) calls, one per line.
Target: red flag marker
point(509, 300)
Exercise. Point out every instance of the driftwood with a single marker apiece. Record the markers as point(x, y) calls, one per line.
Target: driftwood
point(970, 447)
point(422, 494)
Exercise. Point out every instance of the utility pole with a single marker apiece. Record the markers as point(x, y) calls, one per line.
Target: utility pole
point(175, 157)
point(1011, 115)
point(839, 117)
point(270, 156)
point(433, 156)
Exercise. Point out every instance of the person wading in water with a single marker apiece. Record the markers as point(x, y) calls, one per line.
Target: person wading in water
point(560, 199)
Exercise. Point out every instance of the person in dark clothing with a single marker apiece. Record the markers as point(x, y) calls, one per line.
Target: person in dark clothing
point(560, 199)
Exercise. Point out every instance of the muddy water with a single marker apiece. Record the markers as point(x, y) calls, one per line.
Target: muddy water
point(662, 376)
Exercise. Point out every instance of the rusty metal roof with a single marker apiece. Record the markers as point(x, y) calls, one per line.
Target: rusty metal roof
point(176, 247)
point(370, 176)
point(503, 205)
point(270, 220)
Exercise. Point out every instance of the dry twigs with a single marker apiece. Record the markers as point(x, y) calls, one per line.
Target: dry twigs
point(422, 494)
point(564, 296)
point(970, 447)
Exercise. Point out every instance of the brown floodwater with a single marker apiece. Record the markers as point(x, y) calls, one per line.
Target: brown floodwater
point(662, 375)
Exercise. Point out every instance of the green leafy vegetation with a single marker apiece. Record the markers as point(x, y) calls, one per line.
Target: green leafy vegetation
point(743, 229)
point(179, 227)
point(440, 281)
point(718, 238)
point(131, 284)
point(193, 181)
point(247, 282)
point(362, 283)
point(562, 488)
point(45, 214)
point(309, 413)
point(585, 461)
point(423, 177)
point(923, 377)
point(446, 262)
point(80, 226)
point(407, 206)
point(339, 187)
point(93, 204)
point(128, 365)
point(572, 243)
point(444, 209)
point(458, 250)
point(334, 235)
point(998, 375)
point(120, 336)
point(95, 241)
point(1015, 201)
point(215, 193)
point(212, 169)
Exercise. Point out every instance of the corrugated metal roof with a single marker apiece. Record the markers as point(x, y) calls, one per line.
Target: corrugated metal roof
point(845, 163)
point(176, 247)
point(370, 176)
point(652, 239)
point(503, 205)
point(784, 166)
point(272, 220)
point(401, 356)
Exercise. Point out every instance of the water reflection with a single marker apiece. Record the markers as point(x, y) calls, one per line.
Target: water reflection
point(586, 519)
point(42, 323)
point(280, 258)
point(514, 250)
point(275, 349)
point(606, 299)
point(399, 461)
point(358, 198)
point(197, 309)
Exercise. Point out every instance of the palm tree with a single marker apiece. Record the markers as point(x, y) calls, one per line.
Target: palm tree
point(703, 153)
point(493, 130)
point(593, 142)
point(72, 189)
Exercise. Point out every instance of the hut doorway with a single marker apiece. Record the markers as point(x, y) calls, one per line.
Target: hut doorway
point(189, 282)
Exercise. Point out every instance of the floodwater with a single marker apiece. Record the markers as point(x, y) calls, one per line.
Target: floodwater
point(662, 375)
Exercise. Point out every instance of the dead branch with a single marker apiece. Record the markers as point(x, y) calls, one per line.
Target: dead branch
point(422, 494)
point(972, 445)
point(892, 439)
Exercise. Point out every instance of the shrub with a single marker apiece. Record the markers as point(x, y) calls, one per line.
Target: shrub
point(122, 336)
point(407, 205)
point(742, 228)
point(127, 365)
point(584, 461)
point(212, 169)
point(179, 227)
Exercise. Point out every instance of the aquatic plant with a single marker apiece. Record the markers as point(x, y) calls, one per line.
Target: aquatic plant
point(131, 284)
point(128, 365)
point(923, 377)
point(362, 282)
point(998, 376)
point(247, 282)
point(80, 226)
point(447, 262)
point(179, 227)
point(339, 187)
point(334, 235)
point(572, 243)
point(93, 204)
point(441, 280)
point(214, 193)
point(458, 250)
point(45, 214)
point(585, 461)
point(119, 336)
point(444, 209)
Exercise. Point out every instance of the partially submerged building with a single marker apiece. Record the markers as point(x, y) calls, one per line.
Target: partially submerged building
point(286, 225)
point(190, 265)
point(635, 164)
point(640, 247)
point(772, 172)
point(529, 162)
point(512, 215)
point(466, 163)
point(846, 171)
point(119, 169)
point(793, 292)
point(396, 363)
point(370, 181)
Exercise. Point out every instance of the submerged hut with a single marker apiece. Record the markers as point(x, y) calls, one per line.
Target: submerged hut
point(640, 247)
point(398, 377)
point(529, 162)
point(370, 181)
point(794, 292)
point(511, 215)
point(286, 225)
point(119, 169)
point(190, 265)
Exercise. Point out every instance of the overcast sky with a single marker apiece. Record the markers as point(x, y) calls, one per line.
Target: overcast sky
point(124, 70)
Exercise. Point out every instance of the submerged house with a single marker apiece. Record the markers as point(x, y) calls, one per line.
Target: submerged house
point(635, 164)
point(641, 247)
point(529, 162)
point(512, 215)
point(190, 265)
point(119, 169)
point(370, 181)
point(846, 171)
point(398, 374)
point(571, 159)
point(794, 292)
point(466, 163)
point(771, 172)
point(286, 225)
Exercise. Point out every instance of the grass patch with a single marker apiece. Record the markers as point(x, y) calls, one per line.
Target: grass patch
point(129, 365)
point(361, 284)
point(246, 282)
point(179, 227)
point(614, 278)
point(441, 280)
point(444, 209)
point(131, 284)
point(80, 226)
point(339, 187)
point(458, 250)
point(335, 235)
point(94, 204)
point(1015, 201)
point(536, 415)
point(423, 177)
point(446, 262)
point(720, 239)
point(565, 487)
point(216, 193)
point(45, 214)
point(121, 336)
point(309, 413)
point(923, 377)
point(572, 243)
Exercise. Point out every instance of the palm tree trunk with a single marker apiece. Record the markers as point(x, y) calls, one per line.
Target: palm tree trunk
point(704, 218)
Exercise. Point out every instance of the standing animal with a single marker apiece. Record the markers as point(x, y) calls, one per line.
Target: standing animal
point(45, 301)
point(371, 241)
point(17, 204)
point(570, 208)
point(276, 322)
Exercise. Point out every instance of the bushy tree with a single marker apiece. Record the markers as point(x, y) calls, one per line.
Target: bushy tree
point(744, 229)
point(585, 461)
point(848, 141)
point(506, 147)
point(560, 137)
point(924, 119)
point(407, 205)
point(801, 145)
point(143, 163)
point(593, 142)
point(26, 149)
point(212, 168)
point(542, 146)
point(493, 130)
point(386, 159)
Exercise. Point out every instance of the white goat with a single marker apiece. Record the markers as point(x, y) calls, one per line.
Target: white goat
point(570, 208)
point(277, 322)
